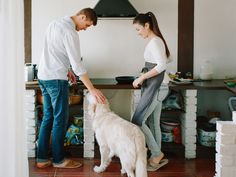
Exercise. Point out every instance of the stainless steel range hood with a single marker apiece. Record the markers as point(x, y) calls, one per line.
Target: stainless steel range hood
point(115, 8)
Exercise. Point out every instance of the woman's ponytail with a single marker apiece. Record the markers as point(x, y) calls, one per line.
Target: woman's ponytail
point(157, 31)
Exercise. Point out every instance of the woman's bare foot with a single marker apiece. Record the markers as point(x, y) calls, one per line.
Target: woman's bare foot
point(156, 160)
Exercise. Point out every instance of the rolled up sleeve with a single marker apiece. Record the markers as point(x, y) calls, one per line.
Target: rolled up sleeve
point(72, 45)
point(159, 55)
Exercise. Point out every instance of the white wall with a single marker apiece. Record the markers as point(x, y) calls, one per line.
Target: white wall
point(214, 38)
point(111, 48)
point(115, 41)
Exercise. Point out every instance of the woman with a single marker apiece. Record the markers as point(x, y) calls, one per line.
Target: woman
point(154, 87)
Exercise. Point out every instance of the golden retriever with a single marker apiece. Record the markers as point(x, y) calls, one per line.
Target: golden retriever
point(119, 137)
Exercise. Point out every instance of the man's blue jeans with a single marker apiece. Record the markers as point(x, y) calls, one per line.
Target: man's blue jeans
point(55, 118)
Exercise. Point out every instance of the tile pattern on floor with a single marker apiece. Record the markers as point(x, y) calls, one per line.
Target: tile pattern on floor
point(175, 168)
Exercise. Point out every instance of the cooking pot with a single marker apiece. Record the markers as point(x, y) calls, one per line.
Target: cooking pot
point(125, 79)
point(169, 125)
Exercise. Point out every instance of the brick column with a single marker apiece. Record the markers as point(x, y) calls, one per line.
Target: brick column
point(88, 132)
point(226, 149)
point(188, 123)
point(30, 117)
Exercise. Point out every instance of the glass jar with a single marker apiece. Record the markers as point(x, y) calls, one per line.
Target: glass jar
point(29, 72)
point(206, 71)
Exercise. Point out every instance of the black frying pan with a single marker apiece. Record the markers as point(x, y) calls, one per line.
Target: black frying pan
point(125, 79)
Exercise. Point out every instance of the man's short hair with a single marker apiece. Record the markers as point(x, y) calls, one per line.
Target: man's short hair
point(90, 14)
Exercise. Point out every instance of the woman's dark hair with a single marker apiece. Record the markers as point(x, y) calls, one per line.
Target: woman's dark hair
point(90, 14)
point(150, 18)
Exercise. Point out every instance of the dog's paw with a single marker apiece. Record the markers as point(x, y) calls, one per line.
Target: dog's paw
point(98, 169)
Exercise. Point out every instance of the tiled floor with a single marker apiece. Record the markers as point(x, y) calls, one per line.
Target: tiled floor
point(177, 167)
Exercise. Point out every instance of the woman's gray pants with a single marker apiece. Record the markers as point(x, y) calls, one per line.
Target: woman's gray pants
point(151, 122)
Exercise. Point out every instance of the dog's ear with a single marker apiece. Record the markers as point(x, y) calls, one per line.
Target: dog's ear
point(91, 98)
point(107, 106)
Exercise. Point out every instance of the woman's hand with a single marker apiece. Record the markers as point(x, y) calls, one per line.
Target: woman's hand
point(138, 82)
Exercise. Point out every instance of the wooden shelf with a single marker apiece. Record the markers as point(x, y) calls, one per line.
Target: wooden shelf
point(74, 151)
point(178, 150)
point(173, 150)
point(205, 152)
point(78, 150)
point(173, 111)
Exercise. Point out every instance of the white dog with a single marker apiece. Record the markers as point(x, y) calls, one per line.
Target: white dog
point(119, 137)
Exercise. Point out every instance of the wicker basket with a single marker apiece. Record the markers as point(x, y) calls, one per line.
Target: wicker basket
point(74, 99)
point(39, 98)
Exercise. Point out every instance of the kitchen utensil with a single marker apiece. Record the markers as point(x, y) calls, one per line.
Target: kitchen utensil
point(168, 126)
point(181, 81)
point(125, 79)
point(213, 120)
point(232, 103)
point(167, 137)
point(206, 138)
point(29, 72)
point(78, 120)
point(177, 134)
point(206, 71)
point(231, 84)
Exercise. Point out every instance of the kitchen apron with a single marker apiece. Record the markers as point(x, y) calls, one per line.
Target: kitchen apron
point(148, 90)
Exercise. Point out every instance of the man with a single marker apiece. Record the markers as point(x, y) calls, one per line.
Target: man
point(61, 50)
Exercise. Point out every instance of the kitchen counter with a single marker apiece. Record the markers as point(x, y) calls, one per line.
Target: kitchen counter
point(217, 84)
point(112, 84)
point(232, 89)
point(98, 83)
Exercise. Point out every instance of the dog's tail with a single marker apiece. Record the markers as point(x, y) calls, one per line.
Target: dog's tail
point(141, 158)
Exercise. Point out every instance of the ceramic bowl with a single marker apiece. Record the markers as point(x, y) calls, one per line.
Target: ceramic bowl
point(78, 121)
point(168, 126)
point(167, 137)
point(206, 138)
